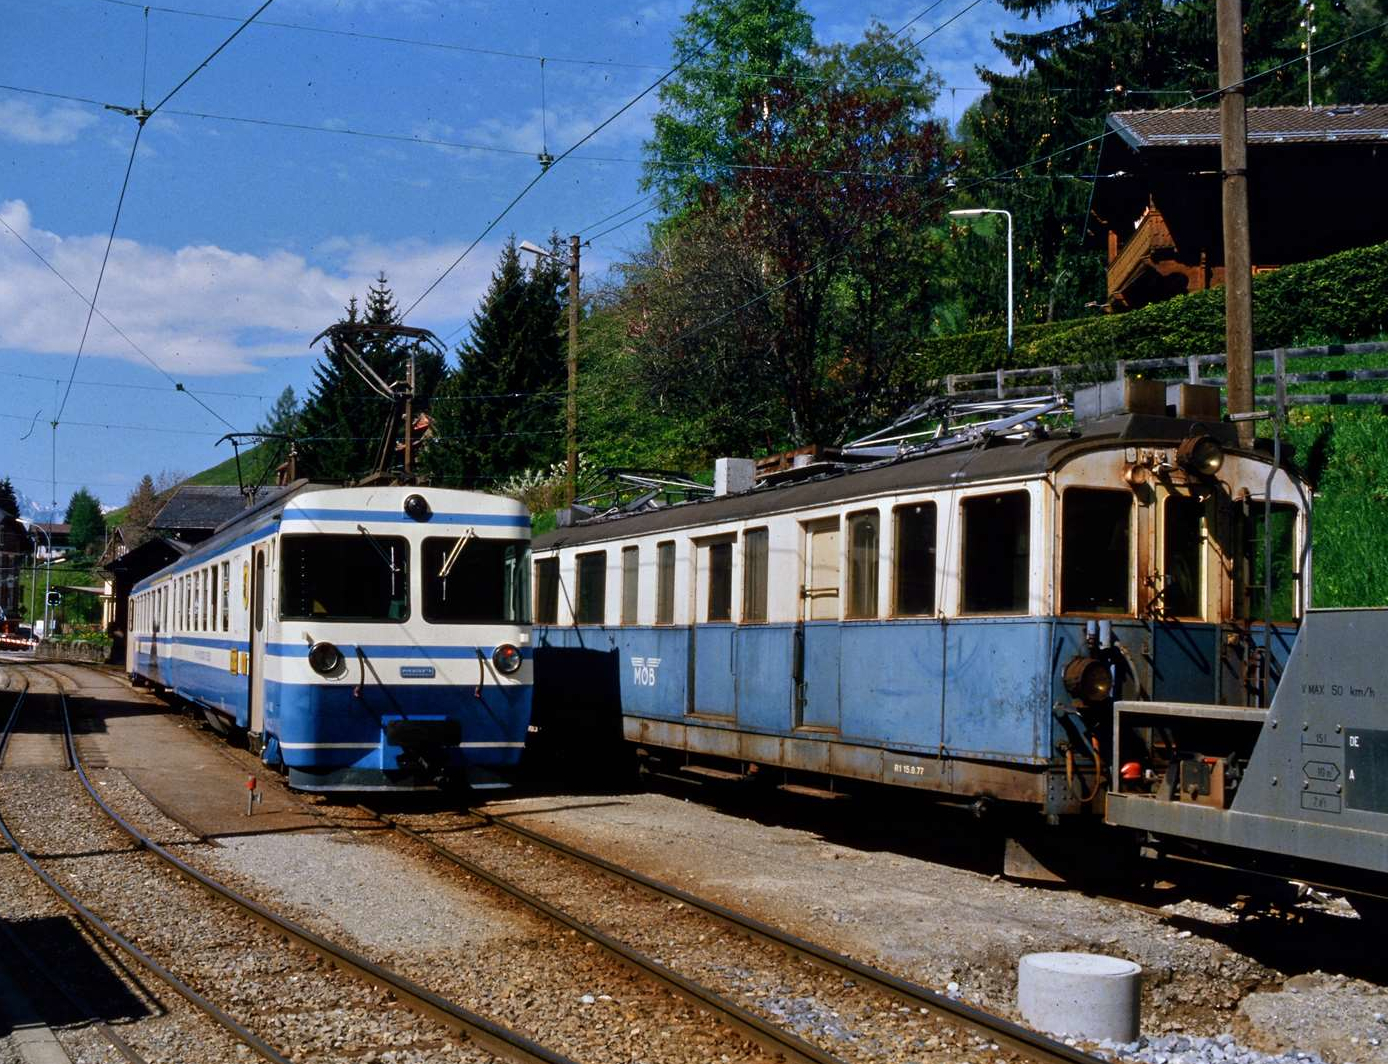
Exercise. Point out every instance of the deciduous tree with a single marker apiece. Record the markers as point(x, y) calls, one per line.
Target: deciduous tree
point(87, 526)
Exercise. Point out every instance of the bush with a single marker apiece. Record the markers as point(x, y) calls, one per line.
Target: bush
point(1343, 296)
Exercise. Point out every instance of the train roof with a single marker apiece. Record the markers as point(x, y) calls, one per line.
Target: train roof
point(993, 458)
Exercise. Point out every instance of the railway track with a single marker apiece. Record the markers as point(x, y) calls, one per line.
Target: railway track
point(478, 1030)
point(850, 973)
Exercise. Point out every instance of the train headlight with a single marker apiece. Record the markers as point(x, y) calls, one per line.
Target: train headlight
point(324, 657)
point(417, 506)
point(506, 658)
point(1088, 679)
point(1201, 455)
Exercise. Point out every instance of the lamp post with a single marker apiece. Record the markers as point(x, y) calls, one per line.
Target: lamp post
point(535, 249)
point(47, 575)
point(973, 212)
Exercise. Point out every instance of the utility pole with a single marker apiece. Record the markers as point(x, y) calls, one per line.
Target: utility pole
point(572, 489)
point(409, 419)
point(1238, 263)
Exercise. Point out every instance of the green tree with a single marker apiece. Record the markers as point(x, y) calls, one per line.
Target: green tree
point(9, 501)
point(140, 510)
point(87, 527)
point(810, 257)
point(734, 51)
point(342, 421)
point(283, 417)
point(500, 409)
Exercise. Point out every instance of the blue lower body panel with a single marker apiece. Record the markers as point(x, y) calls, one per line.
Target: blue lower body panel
point(396, 736)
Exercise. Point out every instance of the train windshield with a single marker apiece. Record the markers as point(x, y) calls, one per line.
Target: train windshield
point(472, 580)
point(358, 577)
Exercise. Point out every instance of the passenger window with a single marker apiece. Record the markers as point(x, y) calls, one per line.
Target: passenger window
point(258, 595)
point(915, 560)
point(720, 581)
point(215, 599)
point(1249, 600)
point(547, 591)
point(226, 596)
point(592, 588)
point(997, 552)
point(1095, 562)
point(863, 540)
point(665, 583)
point(755, 554)
point(1183, 553)
point(631, 571)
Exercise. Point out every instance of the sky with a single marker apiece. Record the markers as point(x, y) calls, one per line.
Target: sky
point(239, 240)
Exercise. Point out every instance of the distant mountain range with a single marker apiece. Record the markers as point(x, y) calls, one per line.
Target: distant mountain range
point(32, 510)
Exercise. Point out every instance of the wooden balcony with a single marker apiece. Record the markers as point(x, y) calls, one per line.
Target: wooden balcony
point(1150, 243)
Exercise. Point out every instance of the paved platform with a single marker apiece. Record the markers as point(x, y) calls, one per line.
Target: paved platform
point(22, 1025)
point(190, 778)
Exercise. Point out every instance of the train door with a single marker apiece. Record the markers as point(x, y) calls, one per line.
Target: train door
point(817, 636)
point(258, 631)
point(713, 690)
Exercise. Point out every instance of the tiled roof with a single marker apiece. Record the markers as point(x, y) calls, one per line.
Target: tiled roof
point(1198, 127)
point(199, 506)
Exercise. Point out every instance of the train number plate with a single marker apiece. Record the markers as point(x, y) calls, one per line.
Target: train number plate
point(416, 672)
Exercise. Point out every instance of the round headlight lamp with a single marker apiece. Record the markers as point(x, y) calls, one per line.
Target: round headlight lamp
point(1088, 679)
point(1201, 455)
point(324, 657)
point(506, 658)
point(417, 506)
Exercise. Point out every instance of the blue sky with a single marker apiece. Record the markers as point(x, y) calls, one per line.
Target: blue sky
point(239, 241)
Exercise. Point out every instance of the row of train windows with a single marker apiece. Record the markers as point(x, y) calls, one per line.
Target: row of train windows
point(196, 602)
point(1096, 564)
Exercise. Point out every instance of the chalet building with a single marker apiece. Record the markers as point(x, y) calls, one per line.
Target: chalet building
point(15, 547)
point(195, 511)
point(1315, 186)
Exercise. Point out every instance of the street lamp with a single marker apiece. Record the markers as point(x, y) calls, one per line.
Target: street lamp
point(535, 249)
point(47, 575)
point(973, 212)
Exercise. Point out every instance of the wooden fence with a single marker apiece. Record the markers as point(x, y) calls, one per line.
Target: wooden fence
point(1006, 383)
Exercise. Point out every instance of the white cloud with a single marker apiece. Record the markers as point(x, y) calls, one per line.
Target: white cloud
point(203, 310)
point(29, 123)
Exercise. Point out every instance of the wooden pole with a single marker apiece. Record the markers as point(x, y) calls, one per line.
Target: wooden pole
point(573, 370)
point(1238, 264)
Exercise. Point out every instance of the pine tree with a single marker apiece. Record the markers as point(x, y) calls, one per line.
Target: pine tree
point(500, 410)
point(9, 501)
point(140, 509)
point(283, 416)
point(342, 420)
point(87, 527)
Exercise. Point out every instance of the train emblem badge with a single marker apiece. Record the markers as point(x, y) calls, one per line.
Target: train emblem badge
point(643, 671)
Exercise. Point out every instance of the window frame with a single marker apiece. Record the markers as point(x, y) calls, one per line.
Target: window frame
point(964, 560)
point(666, 559)
point(851, 522)
point(540, 616)
point(1130, 609)
point(898, 553)
point(1202, 575)
point(579, 604)
point(751, 572)
point(631, 584)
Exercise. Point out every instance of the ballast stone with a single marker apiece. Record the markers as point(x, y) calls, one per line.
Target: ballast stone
point(1083, 994)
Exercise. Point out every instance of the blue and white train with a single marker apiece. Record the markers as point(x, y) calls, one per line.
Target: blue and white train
point(367, 638)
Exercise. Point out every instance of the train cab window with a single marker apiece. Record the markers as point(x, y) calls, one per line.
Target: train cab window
point(1095, 561)
point(356, 577)
point(997, 552)
point(1183, 554)
point(914, 560)
point(665, 582)
point(755, 555)
point(591, 607)
point(547, 591)
point(469, 579)
point(864, 540)
point(1250, 588)
point(631, 574)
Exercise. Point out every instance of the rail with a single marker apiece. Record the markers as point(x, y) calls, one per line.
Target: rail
point(101, 927)
point(486, 1033)
point(995, 1028)
point(774, 1039)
